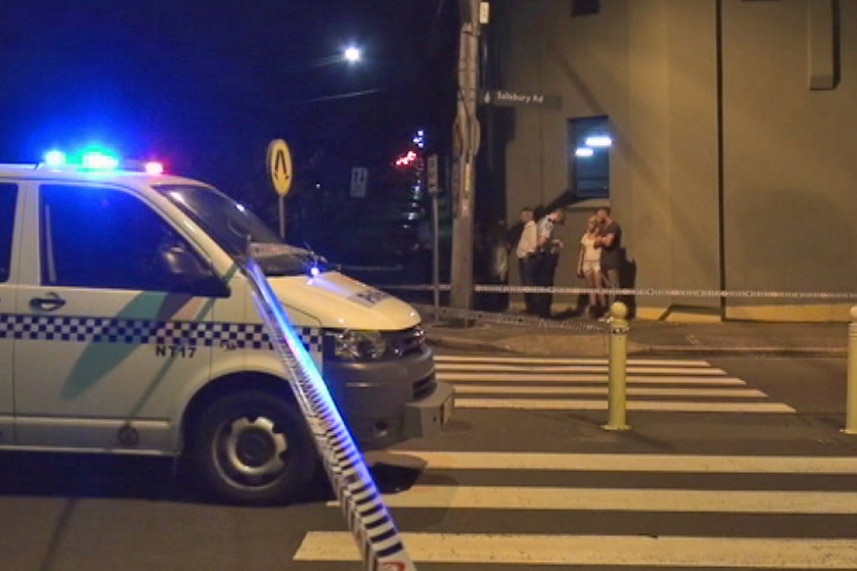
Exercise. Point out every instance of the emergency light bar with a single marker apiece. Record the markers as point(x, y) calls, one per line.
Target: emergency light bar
point(100, 160)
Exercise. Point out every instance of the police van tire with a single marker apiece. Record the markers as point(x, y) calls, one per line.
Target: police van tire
point(253, 447)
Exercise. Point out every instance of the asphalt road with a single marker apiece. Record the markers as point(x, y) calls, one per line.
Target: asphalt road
point(729, 463)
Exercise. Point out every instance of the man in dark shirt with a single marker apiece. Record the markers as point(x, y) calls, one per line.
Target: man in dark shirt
point(610, 242)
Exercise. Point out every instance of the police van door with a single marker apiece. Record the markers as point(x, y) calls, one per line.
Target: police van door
point(8, 203)
point(114, 324)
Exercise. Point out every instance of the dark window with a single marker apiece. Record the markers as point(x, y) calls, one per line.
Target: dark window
point(585, 7)
point(106, 238)
point(589, 144)
point(8, 197)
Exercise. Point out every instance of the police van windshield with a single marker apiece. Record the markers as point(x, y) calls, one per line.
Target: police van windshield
point(235, 229)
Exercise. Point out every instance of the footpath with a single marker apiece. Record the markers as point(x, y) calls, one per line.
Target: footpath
point(580, 337)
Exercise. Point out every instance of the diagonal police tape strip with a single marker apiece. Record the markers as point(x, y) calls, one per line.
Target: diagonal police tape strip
point(642, 292)
point(505, 319)
point(368, 519)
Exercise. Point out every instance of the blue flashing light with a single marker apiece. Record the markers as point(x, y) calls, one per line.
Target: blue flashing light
point(98, 160)
point(314, 271)
point(419, 139)
point(55, 158)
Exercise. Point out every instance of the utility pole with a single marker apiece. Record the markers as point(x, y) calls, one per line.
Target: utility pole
point(465, 147)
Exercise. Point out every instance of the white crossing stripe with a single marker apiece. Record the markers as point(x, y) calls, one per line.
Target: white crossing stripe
point(572, 378)
point(632, 391)
point(562, 361)
point(631, 551)
point(548, 368)
point(673, 385)
point(668, 406)
point(628, 551)
point(688, 463)
point(622, 499)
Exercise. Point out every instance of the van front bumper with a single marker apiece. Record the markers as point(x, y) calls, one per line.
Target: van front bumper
point(385, 402)
point(428, 416)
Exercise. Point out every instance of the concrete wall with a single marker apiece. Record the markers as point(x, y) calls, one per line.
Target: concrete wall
point(790, 157)
point(788, 188)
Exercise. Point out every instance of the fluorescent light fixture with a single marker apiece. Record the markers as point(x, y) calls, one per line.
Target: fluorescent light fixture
point(583, 152)
point(598, 141)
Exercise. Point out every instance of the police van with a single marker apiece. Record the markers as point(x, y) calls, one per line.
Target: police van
point(127, 326)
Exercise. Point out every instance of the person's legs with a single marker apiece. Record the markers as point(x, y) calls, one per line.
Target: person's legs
point(527, 269)
point(589, 278)
point(545, 275)
point(600, 298)
point(541, 278)
point(612, 275)
point(553, 262)
point(596, 300)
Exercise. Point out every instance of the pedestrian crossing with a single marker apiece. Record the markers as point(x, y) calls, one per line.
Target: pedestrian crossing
point(677, 385)
point(632, 511)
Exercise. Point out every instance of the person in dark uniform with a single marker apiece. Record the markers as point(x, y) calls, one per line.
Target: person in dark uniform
point(548, 249)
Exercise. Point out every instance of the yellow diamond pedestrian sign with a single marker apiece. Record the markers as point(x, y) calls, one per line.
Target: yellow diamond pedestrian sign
point(279, 164)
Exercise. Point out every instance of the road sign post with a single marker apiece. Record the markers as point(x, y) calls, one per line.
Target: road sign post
point(359, 179)
point(433, 190)
point(279, 165)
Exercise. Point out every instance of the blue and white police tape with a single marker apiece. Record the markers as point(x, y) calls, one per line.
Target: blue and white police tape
point(642, 292)
point(507, 319)
point(368, 519)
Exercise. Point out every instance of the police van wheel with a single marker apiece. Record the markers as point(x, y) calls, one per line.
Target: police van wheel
point(253, 448)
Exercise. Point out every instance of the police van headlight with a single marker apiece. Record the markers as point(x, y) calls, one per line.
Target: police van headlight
point(358, 345)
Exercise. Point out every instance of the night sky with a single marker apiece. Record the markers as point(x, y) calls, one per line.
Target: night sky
point(205, 85)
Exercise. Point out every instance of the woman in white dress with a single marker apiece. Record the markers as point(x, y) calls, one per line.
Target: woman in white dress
point(589, 266)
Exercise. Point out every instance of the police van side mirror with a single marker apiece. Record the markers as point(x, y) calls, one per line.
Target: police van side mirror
point(189, 273)
point(180, 262)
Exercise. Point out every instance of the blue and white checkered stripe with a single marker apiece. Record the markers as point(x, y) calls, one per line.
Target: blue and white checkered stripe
point(145, 332)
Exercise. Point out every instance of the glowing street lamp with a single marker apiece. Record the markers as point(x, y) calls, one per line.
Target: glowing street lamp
point(351, 54)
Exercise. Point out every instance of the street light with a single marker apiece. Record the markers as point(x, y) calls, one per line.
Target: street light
point(351, 54)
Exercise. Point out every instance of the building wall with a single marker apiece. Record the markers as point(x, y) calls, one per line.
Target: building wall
point(790, 184)
point(652, 65)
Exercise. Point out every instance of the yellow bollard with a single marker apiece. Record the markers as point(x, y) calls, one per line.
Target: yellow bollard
point(617, 358)
point(851, 396)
